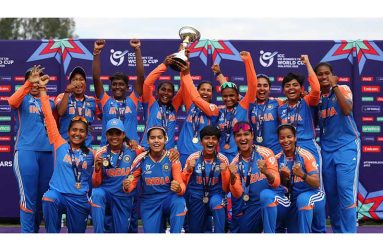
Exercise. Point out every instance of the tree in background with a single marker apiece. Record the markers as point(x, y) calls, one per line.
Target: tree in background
point(36, 28)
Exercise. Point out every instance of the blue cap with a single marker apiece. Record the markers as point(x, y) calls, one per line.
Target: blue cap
point(77, 70)
point(116, 124)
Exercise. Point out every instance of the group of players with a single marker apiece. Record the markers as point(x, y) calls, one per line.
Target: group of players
point(257, 150)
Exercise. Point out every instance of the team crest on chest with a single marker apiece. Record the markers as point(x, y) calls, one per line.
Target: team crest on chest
point(165, 167)
point(126, 158)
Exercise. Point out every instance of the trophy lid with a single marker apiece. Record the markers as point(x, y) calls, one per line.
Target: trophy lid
point(188, 31)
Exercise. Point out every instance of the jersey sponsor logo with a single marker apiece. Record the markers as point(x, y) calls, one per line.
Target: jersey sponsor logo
point(5, 163)
point(117, 57)
point(157, 181)
point(266, 59)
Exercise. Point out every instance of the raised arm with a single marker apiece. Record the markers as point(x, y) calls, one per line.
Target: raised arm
point(17, 98)
point(50, 122)
point(136, 45)
point(148, 88)
point(218, 74)
point(251, 77)
point(343, 95)
point(61, 101)
point(96, 67)
point(313, 97)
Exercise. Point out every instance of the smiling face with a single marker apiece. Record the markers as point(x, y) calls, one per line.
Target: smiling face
point(209, 144)
point(165, 93)
point(119, 89)
point(287, 140)
point(244, 140)
point(205, 90)
point(80, 87)
point(263, 89)
point(230, 97)
point(323, 73)
point(115, 138)
point(77, 133)
point(292, 90)
point(156, 140)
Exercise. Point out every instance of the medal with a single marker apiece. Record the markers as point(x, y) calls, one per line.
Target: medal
point(205, 199)
point(246, 197)
point(78, 185)
point(131, 178)
point(105, 162)
point(227, 146)
point(259, 139)
point(195, 140)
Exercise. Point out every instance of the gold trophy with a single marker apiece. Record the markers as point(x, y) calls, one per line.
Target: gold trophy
point(188, 35)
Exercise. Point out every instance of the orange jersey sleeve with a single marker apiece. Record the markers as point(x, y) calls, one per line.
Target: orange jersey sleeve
point(176, 173)
point(311, 165)
point(137, 172)
point(185, 97)
point(312, 99)
point(251, 77)
point(104, 99)
point(58, 99)
point(178, 99)
point(148, 87)
point(16, 99)
point(185, 173)
point(236, 188)
point(133, 96)
point(225, 174)
point(345, 90)
point(50, 122)
point(271, 164)
point(192, 95)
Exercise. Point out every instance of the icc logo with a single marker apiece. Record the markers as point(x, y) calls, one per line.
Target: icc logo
point(267, 58)
point(117, 57)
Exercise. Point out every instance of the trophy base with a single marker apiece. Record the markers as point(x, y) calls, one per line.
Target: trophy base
point(176, 67)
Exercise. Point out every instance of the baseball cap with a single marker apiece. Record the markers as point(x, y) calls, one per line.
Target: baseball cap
point(115, 124)
point(77, 70)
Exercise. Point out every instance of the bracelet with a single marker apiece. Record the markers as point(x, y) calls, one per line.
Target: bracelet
point(335, 86)
point(304, 177)
point(217, 74)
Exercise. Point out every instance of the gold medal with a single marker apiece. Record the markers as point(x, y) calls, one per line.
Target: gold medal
point(105, 162)
point(195, 140)
point(205, 199)
point(246, 197)
point(259, 139)
point(227, 146)
point(131, 178)
point(78, 185)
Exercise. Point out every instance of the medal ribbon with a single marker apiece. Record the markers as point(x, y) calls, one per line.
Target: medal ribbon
point(165, 112)
point(77, 168)
point(120, 115)
point(196, 120)
point(246, 180)
point(323, 121)
point(76, 110)
point(289, 111)
point(259, 113)
point(229, 124)
point(207, 185)
point(109, 156)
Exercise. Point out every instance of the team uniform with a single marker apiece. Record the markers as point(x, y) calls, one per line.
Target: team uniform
point(70, 182)
point(264, 120)
point(207, 186)
point(200, 113)
point(300, 116)
point(227, 118)
point(256, 203)
point(33, 159)
point(125, 110)
point(87, 108)
point(340, 144)
point(107, 189)
point(156, 198)
point(306, 202)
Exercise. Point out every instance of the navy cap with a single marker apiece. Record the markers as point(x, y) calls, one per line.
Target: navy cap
point(77, 70)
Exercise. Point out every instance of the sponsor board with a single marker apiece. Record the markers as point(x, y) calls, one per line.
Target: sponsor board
point(371, 129)
point(371, 149)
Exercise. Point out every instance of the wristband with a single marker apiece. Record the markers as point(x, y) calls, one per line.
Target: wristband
point(96, 52)
point(335, 86)
point(217, 74)
point(304, 177)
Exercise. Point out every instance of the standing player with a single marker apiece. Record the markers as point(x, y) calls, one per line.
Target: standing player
point(73, 167)
point(235, 110)
point(263, 115)
point(119, 105)
point(300, 174)
point(112, 163)
point(33, 160)
point(73, 102)
point(340, 150)
point(208, 182)
point(162, 186)
point(161, 111)
point(254, 177)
